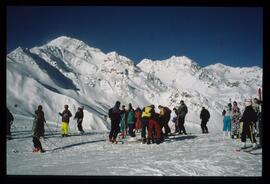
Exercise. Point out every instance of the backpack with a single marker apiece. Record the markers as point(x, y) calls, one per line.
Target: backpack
point(147, 112)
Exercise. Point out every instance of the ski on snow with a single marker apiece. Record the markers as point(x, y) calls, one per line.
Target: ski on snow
point(249, 150)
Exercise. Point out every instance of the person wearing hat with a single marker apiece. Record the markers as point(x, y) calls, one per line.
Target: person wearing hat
point(66, 114)
point(182, 111)
point(204, 116)
point(38, 129)
point(248, 118)
point(115, 116)
point(79, 116)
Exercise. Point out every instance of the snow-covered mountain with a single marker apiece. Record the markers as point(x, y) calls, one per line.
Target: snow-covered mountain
point(68, 71)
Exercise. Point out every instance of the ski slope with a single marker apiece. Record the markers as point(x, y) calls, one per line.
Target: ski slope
point(91, 155)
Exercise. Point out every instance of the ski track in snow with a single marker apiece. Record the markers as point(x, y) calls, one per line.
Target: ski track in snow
point(91, 154)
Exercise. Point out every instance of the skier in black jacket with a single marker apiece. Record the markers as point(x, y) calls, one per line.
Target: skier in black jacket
point(79, 116)
point(204, 116)
point(38, 129)
point(115, 116)
point(249, 118)
point(182, 111)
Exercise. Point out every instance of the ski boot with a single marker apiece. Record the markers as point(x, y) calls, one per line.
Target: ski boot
point(143, 140)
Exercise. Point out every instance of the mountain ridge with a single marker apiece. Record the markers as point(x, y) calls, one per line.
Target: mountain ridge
point(69, 71)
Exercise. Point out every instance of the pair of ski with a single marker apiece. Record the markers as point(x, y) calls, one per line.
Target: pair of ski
point(177, 134)
point(249, 150)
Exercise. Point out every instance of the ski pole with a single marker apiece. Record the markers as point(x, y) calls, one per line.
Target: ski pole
point(57, 122)
point(50, 130)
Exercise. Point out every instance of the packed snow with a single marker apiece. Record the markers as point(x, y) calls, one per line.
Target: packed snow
point(91, 154)
point(68, 71)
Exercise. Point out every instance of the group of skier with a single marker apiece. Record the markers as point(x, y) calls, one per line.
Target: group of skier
point(127, 122)
point(248, 124)
point(39, 122)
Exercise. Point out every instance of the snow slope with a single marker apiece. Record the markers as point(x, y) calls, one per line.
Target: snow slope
point(192, 155)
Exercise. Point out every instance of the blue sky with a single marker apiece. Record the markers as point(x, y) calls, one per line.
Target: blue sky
point(229, 35)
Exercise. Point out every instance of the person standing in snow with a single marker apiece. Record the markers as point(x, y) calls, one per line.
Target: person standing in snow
point(165, 116)
point(182, 111)
point(235, 120)
point(66, 114)
point(10, 120)
point(131, 120)
point(154, 129)
point(124, 113)
point(138, 113)
point(79, 116)
point(146, 115)
point(248, 119)
point(122, 124)
point(115, 116)
point(38, 129)
point(227, 120)
point(204, 116)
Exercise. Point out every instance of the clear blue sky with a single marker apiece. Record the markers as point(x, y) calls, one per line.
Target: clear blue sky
point(230, 35)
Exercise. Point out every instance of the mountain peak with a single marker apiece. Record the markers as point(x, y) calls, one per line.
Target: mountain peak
point(64, 41)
